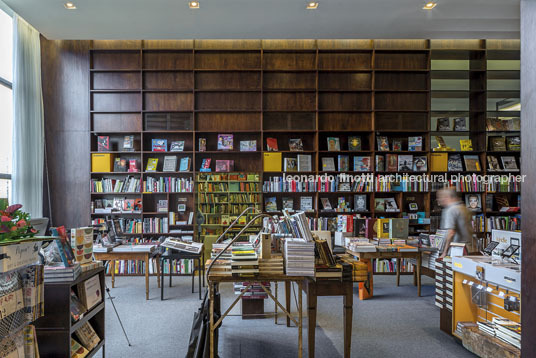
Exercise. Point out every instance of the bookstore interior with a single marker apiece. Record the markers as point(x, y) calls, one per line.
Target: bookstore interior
point(278, 191)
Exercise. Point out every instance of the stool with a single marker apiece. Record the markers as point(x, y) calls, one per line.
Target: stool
point(171, 255)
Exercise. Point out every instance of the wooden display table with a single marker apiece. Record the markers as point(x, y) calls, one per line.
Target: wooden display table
point(367, 258)
point(137, 256)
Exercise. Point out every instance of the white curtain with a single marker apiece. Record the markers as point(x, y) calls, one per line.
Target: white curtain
point(28, 122)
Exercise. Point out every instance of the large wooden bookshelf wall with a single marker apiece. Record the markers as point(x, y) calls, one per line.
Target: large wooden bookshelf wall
point(308, 89)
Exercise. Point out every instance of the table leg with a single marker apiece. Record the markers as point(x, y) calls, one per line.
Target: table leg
point(287, 300)
point(311, 312)
point(170, 265)
point(275, 304)
point(419, 263)
point(161, 279)
point(348, 311)
point(300, 322)
point(158, 273)
point(211, 313)
point(146, 277)
point(199, 273)
point(415, 277)
point(112, 269)
point(193, 275)
point(398, 271)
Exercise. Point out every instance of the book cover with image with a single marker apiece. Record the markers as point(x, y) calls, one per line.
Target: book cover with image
point(334, 144)
point(295, 145)
point(362, 164)
point(225, 142)
point(354, 143)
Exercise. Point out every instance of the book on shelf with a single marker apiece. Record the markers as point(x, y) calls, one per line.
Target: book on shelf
point(326, 205)
point(383, 143)
point(443, 124)
point(224, 165)
point(362, 163)
point(248, 145)
point(472, 163)
point(460, 124)
point(304, 163)
point(334, 144)
point(271, 144)
point(509, 163)
point(390, 205)
point(497, 144)
point(420, 163)
point(87, 336)
point(360, 202)
point(442, 145)
point(466, 145)
point(176, 146)
point(77, 307)
point(455, 163)
point(152, 164)
point(291, 164)
point(202, 144)
point(162, 206)
point(184, 164)
point(354, 143)
point(398, 228)
point(415, 144)
point(379, 204)
point(90, 292)
point(270, 204)
point(513, 143)
point(288, 203)
point(133, 166)
point(103, 143)
point(392, 162)
point(159, 145)
point(503, 124)
point(295, 145)
point(120, 165)
point(170, 163)
point(473, 201)
point(342, 163)
point(272, 162)
point(306, 203)
point(396, 144)
point(225, 141)
point(128, 143)
point(405, 163)
point(328, 164)
point(77, 350)
point(438, 162)
point(205, 165)
point(380, 163)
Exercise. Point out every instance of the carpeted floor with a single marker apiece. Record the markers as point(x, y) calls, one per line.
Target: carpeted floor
point(395, 323)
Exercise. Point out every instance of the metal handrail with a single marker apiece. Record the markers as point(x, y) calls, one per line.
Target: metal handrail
point(258, 216)
point(234, 222)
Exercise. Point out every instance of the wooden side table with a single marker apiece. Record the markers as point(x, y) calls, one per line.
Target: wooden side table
point(136, 256)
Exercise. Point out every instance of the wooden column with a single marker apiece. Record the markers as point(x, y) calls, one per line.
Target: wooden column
point(528, 167)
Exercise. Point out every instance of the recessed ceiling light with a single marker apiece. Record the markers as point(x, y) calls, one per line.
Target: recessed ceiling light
point(429, 5)
point(312, 5)
point(194, 4)
point(70, 6)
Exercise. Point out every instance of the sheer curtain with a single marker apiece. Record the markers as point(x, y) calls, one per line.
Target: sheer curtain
point(28, 122)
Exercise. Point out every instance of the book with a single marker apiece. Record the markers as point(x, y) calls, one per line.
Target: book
point(405, 163)
point(441, 143)
point(466, 144)
point(392, 162)
point(152, 164)
point(420, 163)
point(390, 204)
point(177, 146)
point(509, 163)
point(133, 166)
point(306, 203)
point(354, 143)
point(120, 165)
point(103, 143)
point(295, 145)
point(342, 163)
point(398, 228)
point(159, 145)
point(77, 350)
point(361, 164)
point(360, 202)
point(497, 144)
point(271, 145)
point(288, 203)
point(455, 163)
point(438, 162)
point(443, 124)
point(414, 144)
point(205, 165)
point(513, 143)
point(379, 204)
point(473, 202)
point(290, 164)
point(383, 144)
point(472, 163)
point(87, 336)
point(493, 163)
point(328, 164)
point(224, 165)
point(380, 163)
point(162, 206)
point(270, 204)
point(225, 142)
point(326, 205)
point(397, 145)
point(77, 308)
point(272, 162)
point(184, 164)
point(170, 163)
point(334, 144)
point(202, 144)
point(90, 292)
point(137, 204)
point(128, 143)
point(304, 163)
point(248, 145)
point(460, 124)
point(128, 205)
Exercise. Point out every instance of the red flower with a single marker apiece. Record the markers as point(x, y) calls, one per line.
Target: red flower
point(12, 208)
point(5, 218)
point(33, 231)
point(13, 228)
point(21, 223)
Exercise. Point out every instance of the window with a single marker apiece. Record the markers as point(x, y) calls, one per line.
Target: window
point(6, 102)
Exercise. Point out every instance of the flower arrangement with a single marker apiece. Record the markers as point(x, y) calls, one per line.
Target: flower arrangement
point(14, 223)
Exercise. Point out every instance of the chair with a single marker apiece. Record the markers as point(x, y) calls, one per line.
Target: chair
point(171, 255)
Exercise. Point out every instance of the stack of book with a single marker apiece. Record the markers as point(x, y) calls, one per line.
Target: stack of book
point(508, 331)
point(443, 283)
point(299, 257)
point(189, 247)
point(464, 325)
point(244, 260)
point(487, 328)
point(254, 292)
point(271, 266)
point(328, 272)
point(136, 248)
point(59, 273)
point(359, 244)
point(88, 266)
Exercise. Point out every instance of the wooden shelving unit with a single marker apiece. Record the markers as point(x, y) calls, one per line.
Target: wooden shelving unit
point(308, 89)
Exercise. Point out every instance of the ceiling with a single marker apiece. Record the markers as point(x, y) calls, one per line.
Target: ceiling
point(281, 19)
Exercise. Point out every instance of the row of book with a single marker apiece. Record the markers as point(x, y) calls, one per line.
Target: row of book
point(509, 223)
point(389, 265)
point(168, 185)
point(278, 185)
point(404, 185)
point(215, 187)
point(504, 329)
point(116, 205)
point(224, 198)
point(110, 185)
point(155, 225)
point(132, 267)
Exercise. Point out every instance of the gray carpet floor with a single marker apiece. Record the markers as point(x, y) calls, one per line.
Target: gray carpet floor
point(395, 323)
